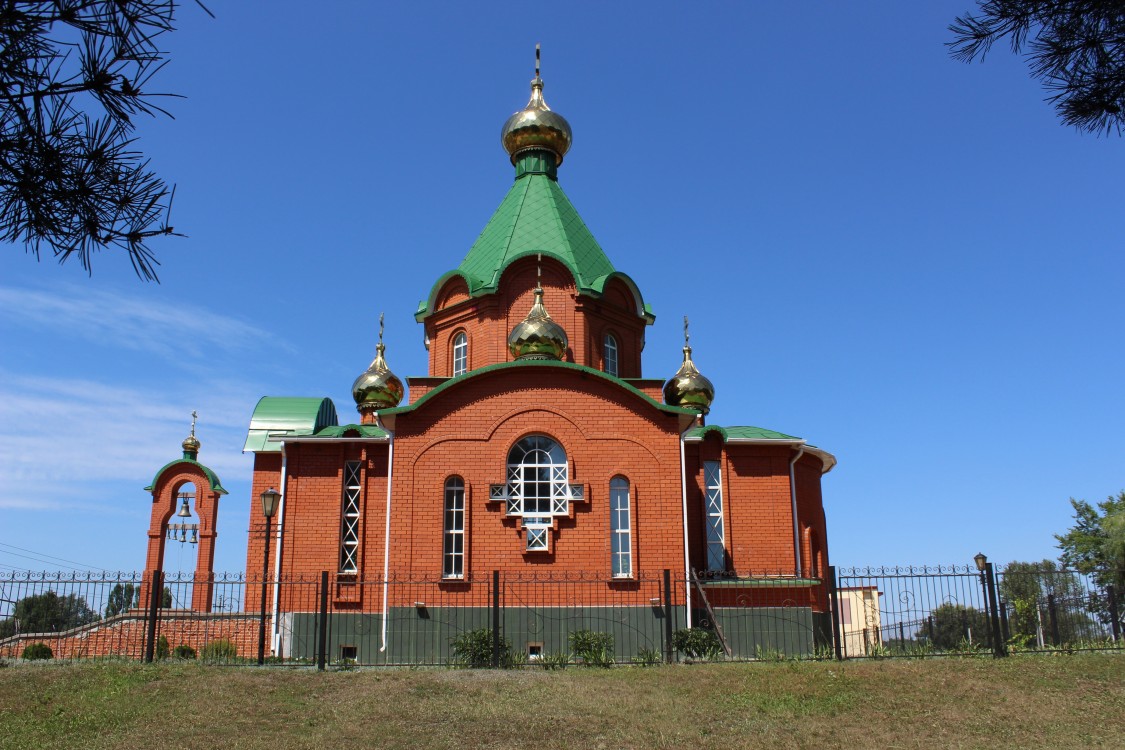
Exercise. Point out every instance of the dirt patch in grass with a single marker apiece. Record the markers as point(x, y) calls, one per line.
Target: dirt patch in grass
point(1064, 701)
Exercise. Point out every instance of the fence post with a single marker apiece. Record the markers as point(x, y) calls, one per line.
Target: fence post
point(1114, 620)
point(998, 649)
point(156, 594)
point(1053, 618)
point(1005, 630)
point(667, 616)
point(322, 630)
point(495, 619)
point(834, 608)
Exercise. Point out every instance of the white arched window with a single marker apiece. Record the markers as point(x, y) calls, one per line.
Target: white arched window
point(460, 354)
point(620, 527)
point(609, 349)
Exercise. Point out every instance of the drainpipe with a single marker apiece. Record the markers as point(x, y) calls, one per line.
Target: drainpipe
point(687, 557)
point(275, 637)
point(387, 532)
point(793, 497)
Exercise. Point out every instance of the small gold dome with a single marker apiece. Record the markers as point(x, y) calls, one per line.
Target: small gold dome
point(191, 444)
point(688, 387)
point(377, 387)
point(536, 127)
point(537, 336)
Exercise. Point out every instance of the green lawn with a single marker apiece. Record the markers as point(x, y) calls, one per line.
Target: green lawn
point(1027, 701)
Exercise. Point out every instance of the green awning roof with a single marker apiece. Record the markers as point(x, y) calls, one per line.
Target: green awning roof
point(740, 433)
point(286, 416)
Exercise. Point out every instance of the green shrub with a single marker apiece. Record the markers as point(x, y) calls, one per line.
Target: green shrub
point(183, 651)
point(473, 649)
point(697, 643)
point(553, 661)
point(37, 651)
point(648, 657)
point(220, 650)
point(593, 648)
point(162, 648)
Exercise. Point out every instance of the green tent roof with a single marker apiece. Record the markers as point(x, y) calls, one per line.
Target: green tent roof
point(534, 217)
point(284, 416)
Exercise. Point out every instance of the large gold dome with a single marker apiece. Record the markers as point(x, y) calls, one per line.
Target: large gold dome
point(689, 388)
point(536, 127)
point(537, 336)
point(377, 387)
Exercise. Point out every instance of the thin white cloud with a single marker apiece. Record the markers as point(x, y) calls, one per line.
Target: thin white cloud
point(169, 330)
point(72, 443)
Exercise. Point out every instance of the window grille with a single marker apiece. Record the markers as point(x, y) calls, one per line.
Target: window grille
point(537, 488)
point(713, 512)
point(349, 518)
point(609, 348)
point(620, 528)
point(454, 556)
point(460, 354)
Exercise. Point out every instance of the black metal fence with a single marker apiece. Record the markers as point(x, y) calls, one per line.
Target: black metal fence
point(552, 621)
point(931, 610)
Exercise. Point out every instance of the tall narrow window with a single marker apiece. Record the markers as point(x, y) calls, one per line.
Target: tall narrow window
point(454, 557)
point(713, 516)
point(620, 528)
point(609, 347)
point(349, 519)
point(460, 354)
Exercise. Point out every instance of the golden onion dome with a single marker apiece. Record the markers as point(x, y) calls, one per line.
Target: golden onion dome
point(191, 442)
point(537, 336)
point(689, 388)
point(536, 126)
point(377, 387)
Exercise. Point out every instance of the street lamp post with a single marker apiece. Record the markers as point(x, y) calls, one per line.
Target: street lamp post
point(269, 505)
point(988, 584)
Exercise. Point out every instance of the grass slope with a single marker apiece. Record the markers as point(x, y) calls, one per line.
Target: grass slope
point(1030, 701)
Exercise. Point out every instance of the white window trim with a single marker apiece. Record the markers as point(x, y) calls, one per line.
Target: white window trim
point(609, 343)
point(460, 354)
point(452, 560)
point(622, 532)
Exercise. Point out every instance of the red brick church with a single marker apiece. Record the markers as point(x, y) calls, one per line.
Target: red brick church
point(535, 445)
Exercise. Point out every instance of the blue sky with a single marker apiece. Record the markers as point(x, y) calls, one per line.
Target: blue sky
point(903, 259)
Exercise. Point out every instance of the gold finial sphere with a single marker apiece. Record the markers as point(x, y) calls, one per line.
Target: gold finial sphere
point(537, 336)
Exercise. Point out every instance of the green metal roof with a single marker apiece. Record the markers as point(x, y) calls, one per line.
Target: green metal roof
point(740, 433)
point(455, 382)
point(212, 477)
point(364, 430)
point(535, 217)
point(282, 416)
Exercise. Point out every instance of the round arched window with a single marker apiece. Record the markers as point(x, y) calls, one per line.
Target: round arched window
point(537, 477)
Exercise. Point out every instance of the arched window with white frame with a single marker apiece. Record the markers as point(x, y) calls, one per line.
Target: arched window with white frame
point(537, 486)
point(609, 354)
point(460, 354)
point(620, 527)
point(453, 555)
